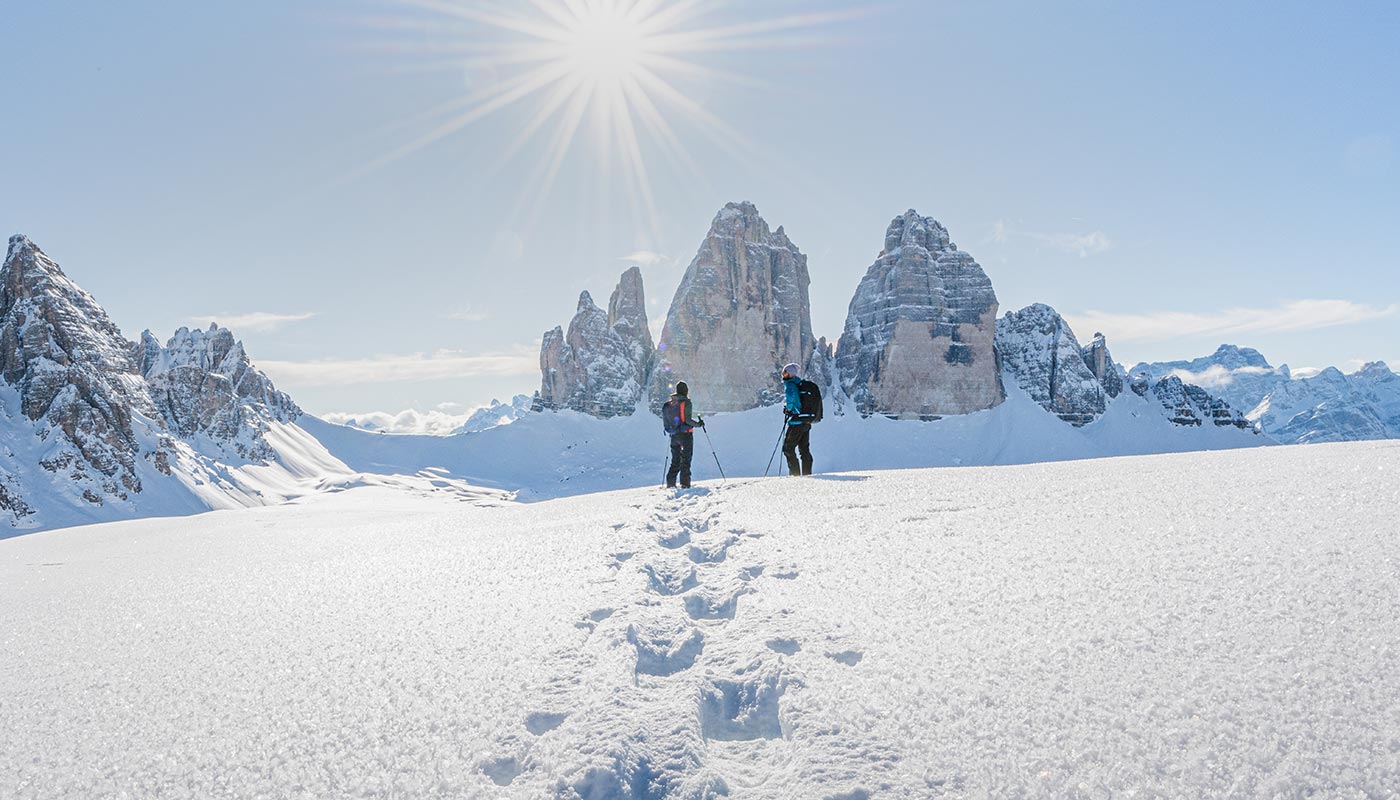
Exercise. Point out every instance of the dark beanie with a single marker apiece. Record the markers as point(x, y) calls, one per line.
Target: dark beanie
point(682, 389)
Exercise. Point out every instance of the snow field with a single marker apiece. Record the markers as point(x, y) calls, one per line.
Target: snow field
point(1210, 624)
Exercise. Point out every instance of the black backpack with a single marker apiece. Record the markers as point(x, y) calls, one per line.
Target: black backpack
point(810, 396)
point(673, 416)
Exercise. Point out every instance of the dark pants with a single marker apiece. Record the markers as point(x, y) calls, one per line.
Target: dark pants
point(799, 437)
point(682, 447)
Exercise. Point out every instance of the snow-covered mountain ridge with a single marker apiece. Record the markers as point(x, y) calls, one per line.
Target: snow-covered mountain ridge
point(1196, 625)
point(1329, 406)
point(94, 427)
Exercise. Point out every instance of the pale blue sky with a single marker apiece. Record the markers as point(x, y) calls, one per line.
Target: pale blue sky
point(1180, 174)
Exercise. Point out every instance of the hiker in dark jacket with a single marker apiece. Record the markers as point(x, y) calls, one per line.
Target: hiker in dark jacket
point(799, 431)
point(678, 417)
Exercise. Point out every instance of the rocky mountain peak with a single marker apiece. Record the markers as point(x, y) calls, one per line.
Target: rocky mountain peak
point(1042, 355)
point(600, 365)
point(203, 384)
point(741, 312)
point(1101, 363)
point(912, 229)
point(1234, 357)
point(75, 373)
point(920, 333)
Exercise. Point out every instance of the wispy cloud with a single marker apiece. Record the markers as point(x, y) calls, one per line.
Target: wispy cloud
point(647, 258)
point(257, 321)
point(1303, 315)
point(468, 315)
point(429, 423)
point(1080, 244)
point(438, 365)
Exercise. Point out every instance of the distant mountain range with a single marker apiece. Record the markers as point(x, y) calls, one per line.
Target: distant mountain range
point(1326, 407)
point(95, 427)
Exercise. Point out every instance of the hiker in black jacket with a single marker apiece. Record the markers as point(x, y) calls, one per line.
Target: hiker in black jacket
point(799, 430)
point(678, 419)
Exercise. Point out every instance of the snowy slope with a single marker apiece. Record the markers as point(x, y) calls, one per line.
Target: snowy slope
point(556, 454)
point(1202, 625)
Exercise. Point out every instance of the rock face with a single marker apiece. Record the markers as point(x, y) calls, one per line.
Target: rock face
point(93, 421)
point(1039, 351)
point(741, 312)
point(920, 335)
point(204, 385)
point(600, 366)
point(76, 376)
point(1100, 362)
point(1189, 405)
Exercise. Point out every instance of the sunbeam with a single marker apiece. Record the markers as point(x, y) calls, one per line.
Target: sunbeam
point(614, 71)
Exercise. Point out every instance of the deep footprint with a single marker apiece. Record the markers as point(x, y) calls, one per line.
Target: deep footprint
point(665, 652)
point(848, 657)
point(669, 582)
point(702, 606)
point(742, 710)
point(712, 553)
point(787, 647)
point(502, 770)
point(542, 722)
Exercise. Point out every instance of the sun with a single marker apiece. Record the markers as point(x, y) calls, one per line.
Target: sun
point(603, 81)
point(605, 45)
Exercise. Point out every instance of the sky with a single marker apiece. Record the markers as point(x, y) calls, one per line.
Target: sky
point(344, 184)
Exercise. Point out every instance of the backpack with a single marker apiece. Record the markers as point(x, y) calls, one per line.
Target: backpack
point(673, 417)
point(810, 396)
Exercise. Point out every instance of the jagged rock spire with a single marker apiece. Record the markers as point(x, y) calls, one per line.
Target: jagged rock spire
point(600, 365)
point(740, 313)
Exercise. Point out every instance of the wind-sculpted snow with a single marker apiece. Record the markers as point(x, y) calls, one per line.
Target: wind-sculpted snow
point(1171, 626)
point(919, 337)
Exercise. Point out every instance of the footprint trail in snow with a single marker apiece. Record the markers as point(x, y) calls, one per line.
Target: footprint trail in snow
point(687, 680)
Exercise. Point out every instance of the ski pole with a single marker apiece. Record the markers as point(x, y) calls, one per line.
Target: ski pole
point(665, 470)
point(713, 453)
point(775, 449)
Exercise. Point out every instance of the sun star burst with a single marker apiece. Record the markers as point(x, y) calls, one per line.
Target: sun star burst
point(612, 71)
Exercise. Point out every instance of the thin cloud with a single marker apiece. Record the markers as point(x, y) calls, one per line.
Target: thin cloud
point(423, 423)
point(256, 321)
point(438, 365)
point(1080, 244)
point(468, 315)
point(647, 258)
point(1303, 315)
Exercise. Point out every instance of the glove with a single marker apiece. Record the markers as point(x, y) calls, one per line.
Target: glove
point(700, 422)
point(787, 414)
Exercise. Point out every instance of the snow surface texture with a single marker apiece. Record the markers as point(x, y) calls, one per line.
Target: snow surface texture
point(1202, 625)
point(551, 455)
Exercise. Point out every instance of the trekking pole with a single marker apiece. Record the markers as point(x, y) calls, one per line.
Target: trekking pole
point(775, 449)
point(713, 453)
point(665, 470)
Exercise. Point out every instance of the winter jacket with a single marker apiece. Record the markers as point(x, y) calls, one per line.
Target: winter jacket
point(792, 400)
point(688, 420)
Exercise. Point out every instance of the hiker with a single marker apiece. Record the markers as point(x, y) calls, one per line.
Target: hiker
point(801, 408)
point(679, 422)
